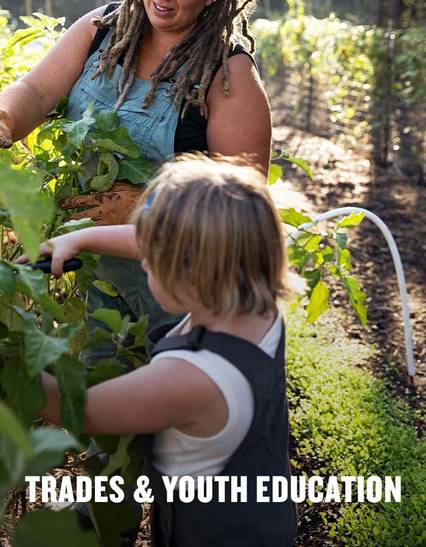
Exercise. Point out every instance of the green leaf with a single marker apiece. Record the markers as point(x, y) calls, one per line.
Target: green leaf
point(71, 376)
point(118, 140)
point(108, 166)
point(318, 302)
point(25, 395)
point(344, 259)
point(139, 329)
point(136, 170)
point(30, 282)
point(85, 275)
point(51, 306)
point(74, 225)
point(48, 528)
point(300, 162)
point(275, 173)
point(341, 240)
point(48, 446)
point(313, 243)
point(77, 131)
point(120, 460)
point(60, 108)
point(12, 429)
point(105, 287)
point(104, 370)
point(351, 221)
point(41, 350)
point(7, 279)
point(112, 318)
point(293, 218)
point(97, 336)
point(357, 298)
point(29, 210)
point(107, 121)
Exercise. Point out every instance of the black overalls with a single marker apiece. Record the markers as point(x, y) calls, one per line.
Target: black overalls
point(264, 451)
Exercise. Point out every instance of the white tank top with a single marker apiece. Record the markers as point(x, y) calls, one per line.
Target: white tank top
point(176, 453)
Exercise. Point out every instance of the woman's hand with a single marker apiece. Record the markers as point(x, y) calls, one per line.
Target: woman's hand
point(106, 208)
point(60, 248)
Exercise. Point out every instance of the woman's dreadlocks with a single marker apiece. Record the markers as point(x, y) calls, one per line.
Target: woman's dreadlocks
point(208, 45)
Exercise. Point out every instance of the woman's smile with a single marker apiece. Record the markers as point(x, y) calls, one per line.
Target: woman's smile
point(162, 11)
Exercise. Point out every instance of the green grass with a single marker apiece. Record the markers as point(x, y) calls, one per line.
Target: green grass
point(344, 422)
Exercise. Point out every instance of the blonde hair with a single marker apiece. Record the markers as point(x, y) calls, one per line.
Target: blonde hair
point(211, 224)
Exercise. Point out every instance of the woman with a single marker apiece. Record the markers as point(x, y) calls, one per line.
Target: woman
point(177, 78)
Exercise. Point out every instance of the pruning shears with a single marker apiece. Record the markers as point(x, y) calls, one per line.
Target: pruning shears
point(45, 265)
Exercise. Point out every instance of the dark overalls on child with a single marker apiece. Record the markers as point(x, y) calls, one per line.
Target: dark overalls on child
point(263, 452)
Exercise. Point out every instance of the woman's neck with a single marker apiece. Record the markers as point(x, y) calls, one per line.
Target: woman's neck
point(162, 41)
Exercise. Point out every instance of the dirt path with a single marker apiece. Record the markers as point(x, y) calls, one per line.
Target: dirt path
point(344, 178)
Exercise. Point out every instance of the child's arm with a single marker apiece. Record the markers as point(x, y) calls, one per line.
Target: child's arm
point(168, 393)
point(104, 240)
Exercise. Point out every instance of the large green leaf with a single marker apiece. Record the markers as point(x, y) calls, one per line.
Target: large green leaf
point(85, 275)
point(351, 221)
point(77, 131)
point(300, 162)
point(71, 376)
point(136, 170)
point(318, 302)
point(41, 350)
point(112, 318)
point(50, 529)
point(293, 218)
point(25, 395)
point(107, 121)
point(48, 447)
point(108, 167)
point(30, 282)
point(29, 210)
point(7, 279)
point(275, 173)
point(12, 429)
point(117, 140)
point(357, 298)
point(104, 370)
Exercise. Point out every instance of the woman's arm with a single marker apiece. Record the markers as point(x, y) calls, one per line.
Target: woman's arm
point(103, 240)
point(240, 123)
point(28, 101)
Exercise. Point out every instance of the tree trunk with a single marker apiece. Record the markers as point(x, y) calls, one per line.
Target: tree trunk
point(377, 11)
point(48, 7)
point(28, 7)
point(396, 9)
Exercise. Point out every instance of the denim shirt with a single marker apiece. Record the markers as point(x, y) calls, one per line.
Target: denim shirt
point(153, 128)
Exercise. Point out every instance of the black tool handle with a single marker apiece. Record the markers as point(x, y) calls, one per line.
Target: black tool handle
point(45, 265)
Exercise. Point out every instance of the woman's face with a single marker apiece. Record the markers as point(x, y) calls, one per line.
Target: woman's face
point(174, 15)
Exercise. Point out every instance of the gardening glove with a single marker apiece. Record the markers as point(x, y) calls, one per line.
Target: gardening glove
point(6, 130)
point(106, 208)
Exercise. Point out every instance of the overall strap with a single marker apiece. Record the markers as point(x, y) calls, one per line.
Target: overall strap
point(102, 32)
point(228, 346)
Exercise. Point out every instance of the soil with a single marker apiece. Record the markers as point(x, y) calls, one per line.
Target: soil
point(343, 178)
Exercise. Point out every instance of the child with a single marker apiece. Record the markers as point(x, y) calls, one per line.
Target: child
point(210, 240)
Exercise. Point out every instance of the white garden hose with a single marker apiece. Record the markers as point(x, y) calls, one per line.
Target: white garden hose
point(342, 211)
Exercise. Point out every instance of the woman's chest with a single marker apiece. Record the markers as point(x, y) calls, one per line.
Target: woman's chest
point(153, 128)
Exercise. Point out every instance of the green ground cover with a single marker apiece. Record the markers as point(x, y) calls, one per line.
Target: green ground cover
point(344, 422)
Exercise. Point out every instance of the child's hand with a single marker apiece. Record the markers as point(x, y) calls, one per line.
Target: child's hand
point(60, 248)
